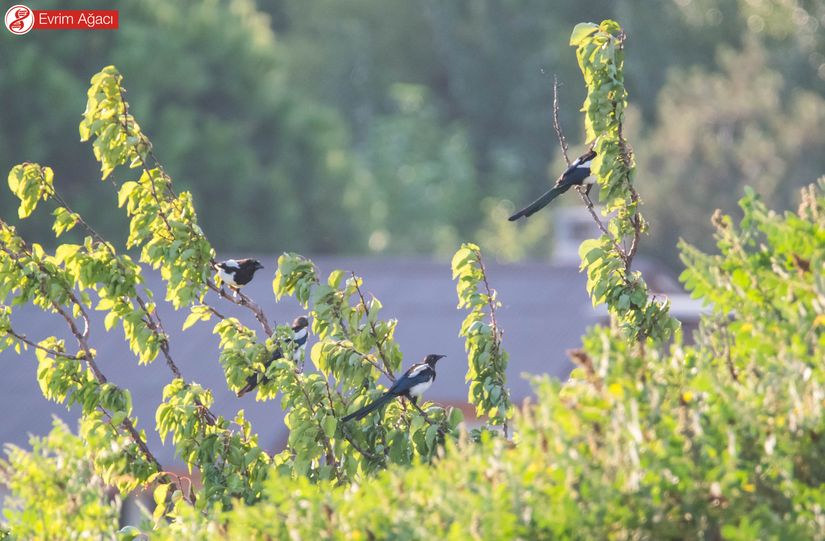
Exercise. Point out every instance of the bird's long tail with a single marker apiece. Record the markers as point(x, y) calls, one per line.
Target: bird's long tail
point(251, 383)
point(255, 379)
point(539, 203)
point(369, 408)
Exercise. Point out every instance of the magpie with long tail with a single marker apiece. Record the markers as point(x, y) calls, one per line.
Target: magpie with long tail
point(236, 273)
point(300, 331)
point(577, 174)
point(412, 385)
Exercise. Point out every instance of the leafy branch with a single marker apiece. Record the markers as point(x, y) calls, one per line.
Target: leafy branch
point(487, 360)
point(608, 260)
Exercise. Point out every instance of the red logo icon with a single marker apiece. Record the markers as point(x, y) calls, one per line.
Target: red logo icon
point(19, 19)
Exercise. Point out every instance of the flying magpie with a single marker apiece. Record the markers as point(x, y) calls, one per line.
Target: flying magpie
point(237, 273)
point(577, 174)
point(412, 385)
point(300, 330)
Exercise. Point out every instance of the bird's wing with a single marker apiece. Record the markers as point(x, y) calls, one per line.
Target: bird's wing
point(577, 171)
point(418, 373)
point(300, 337)
point(229, 264)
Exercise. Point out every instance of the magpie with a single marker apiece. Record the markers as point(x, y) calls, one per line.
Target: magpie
point(412, 385)
point(300, 330)
point(576, 174)
point(237, 273)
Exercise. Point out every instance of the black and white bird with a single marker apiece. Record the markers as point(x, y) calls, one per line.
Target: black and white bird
point(237, 272)
point(411, 385)
point(576, 175)
point(300, 330)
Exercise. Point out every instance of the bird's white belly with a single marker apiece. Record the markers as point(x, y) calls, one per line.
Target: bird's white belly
point(418, 390)
point(226, 278)
point(589, 180)
point(298, 355)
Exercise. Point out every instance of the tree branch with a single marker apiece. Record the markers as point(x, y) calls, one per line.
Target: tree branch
point(244, 301)
point(497, 333)
point(52, 352)
point(378, 342)
point(556, 124)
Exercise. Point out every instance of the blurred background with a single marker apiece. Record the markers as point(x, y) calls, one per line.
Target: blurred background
point(380, 135)
point(404, 128)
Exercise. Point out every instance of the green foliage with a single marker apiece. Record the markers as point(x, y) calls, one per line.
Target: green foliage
point(600, 51)
point(714, 441)
point(748, 126)
point(280, 109)
point(30, 183)
point(486, 358)
point(231, 463)
point(355, 349)
point(55, 492)
point(246, 139)
point(162, 223)
point(648, 438)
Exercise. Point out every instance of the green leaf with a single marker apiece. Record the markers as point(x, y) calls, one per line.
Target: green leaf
point(329, 424)
point(65, 252)
point(580, 32)
point(159, 496)
point(125, 191)
point(430, 435)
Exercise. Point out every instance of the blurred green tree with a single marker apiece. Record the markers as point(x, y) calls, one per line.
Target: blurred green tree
point(277, 108)
point(261, 158)
point(720, 131)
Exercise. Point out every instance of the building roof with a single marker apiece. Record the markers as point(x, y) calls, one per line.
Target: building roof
point(545, 311)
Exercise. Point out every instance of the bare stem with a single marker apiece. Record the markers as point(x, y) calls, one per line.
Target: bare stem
point(367, 357)
point(379, 343)
point(52, 352)
point(246, 302)
point(556, 124)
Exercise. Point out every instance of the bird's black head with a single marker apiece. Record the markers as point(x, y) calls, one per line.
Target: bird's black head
point(257, 264)
point(432, 358)
point(299, 323)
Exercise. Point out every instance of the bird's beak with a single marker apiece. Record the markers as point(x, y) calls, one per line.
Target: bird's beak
point(439, 357)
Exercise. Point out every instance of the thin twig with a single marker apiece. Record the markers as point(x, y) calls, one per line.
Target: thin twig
point(366, 357)
point(82, 339)
point(152, 320)
point(589, 204)
point(734, 373)
point(52, 352)
point(497, 333)
point(155, 326)
point(556, 124)
point(378, 342)
point(211, 309)
point(351, 441)
point(626, 153)
point(344, 431)
point(423, 413)
point(330, 454)
point(246, 302)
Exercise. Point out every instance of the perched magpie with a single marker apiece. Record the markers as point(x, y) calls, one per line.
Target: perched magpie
point(577, 174)
point(412, 385)
point(237, 273)
point(300, 329)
